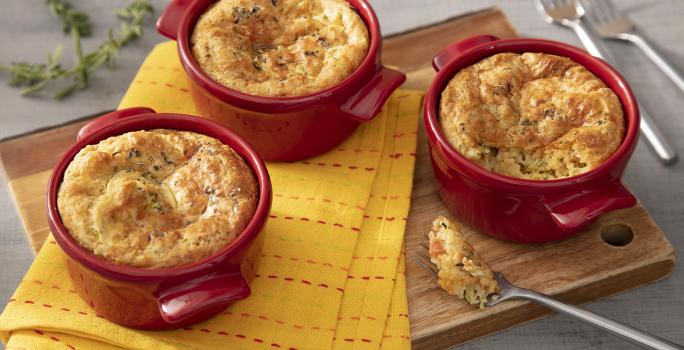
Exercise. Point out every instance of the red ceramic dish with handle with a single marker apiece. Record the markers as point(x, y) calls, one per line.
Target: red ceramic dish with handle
point(286, 128)
point(168, 297)
point(518, 209)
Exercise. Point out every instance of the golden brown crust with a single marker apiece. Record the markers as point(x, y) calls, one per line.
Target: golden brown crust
point(279, 47)
point(158, 198)
point(532, 116)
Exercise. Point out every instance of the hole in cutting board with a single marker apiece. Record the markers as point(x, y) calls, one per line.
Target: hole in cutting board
point(617, 235)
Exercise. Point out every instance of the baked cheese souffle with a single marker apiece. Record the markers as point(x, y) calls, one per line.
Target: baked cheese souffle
point(531, 116)
point(461, 271)
point(279, 47)
point(158, 198)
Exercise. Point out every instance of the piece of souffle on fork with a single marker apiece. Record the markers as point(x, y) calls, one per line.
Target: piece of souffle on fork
point(461, 272)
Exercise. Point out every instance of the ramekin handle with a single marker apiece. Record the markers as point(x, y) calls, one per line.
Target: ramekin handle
point(168, 22)
point(366, 103)
point(109, 118)
point(198, 296)
point(574, 212)
point(454, 50)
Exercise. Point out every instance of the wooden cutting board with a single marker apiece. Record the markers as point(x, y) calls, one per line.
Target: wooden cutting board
point(577, 270)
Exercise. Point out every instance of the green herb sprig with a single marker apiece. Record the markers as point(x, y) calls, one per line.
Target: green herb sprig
point(36, 76)
point(71, 18)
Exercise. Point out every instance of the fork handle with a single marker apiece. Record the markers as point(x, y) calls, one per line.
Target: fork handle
point(631, 334)
point(656, 57)
point(592, 46)
point(649, 129)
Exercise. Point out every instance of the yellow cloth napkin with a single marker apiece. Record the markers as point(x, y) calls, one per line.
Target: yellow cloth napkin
point(331, 270)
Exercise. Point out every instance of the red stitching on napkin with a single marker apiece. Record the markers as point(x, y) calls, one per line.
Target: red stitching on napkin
point(49, 306)
point(326, 200)
point(366, 278)
point(336, 165)
point(351, 340)
point(240, 336)
point(309, 261)
point(357, 150)
point(322, 222)
point(291, 279)
point(55, 339)
point(153, 82)
point(396, 336)
point(54, 286)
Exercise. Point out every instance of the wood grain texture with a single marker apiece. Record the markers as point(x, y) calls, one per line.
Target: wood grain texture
point(577, 270)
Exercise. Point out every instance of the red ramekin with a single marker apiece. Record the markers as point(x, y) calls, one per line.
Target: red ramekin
point(168, 297)
point(517, 209)
point(286, 128)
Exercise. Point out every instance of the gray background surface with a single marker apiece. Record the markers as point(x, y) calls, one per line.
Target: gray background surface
point(31, 32)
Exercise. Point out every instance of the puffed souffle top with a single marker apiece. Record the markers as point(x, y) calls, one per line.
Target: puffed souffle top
point(279, 47)
point(531, 116)
point(155, 199)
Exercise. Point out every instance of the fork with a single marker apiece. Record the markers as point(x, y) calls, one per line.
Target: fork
point(609, 23)
point(509, 291)
point(569, 13)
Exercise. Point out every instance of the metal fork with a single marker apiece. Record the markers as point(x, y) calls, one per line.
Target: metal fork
point(609, 23)
point(509, 291)
point(569, 13)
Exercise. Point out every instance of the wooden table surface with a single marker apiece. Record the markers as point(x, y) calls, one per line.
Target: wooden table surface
point(32, 32)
